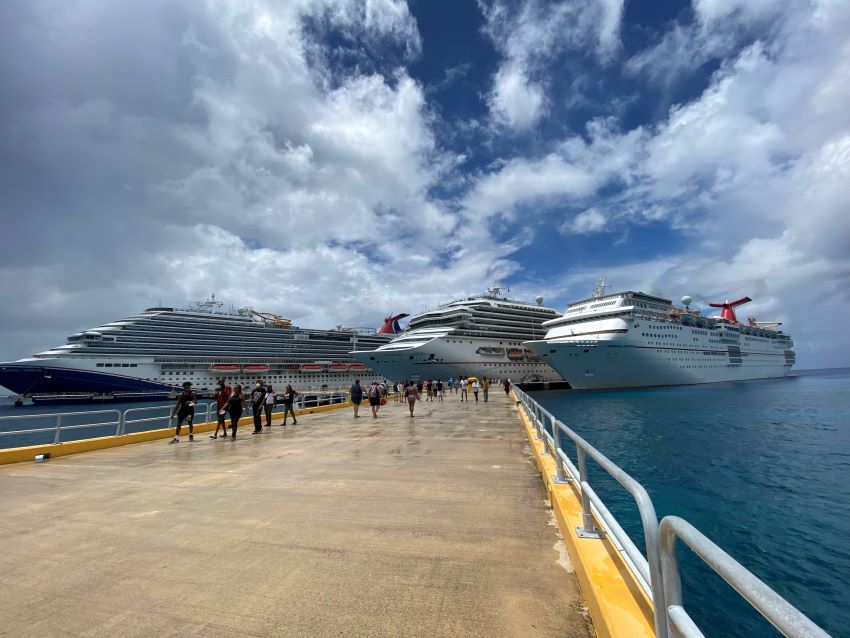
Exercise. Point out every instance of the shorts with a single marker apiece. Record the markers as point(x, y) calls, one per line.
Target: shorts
point(188, 416)
point(356, 400)
point(374, 400)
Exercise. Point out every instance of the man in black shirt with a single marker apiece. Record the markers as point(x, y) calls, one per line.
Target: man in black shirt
point(258, 397)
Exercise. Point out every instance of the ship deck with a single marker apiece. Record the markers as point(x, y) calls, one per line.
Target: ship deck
point(431, 526)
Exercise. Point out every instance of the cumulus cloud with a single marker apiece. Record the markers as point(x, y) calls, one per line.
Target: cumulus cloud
point(534, 34)
point(585, 223)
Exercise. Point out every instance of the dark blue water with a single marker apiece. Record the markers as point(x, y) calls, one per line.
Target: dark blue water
point(761, 467)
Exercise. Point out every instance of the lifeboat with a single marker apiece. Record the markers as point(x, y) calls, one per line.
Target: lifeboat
point(515, 354)
point(312, 367)
point(338, 367)
point(226, 367)
point(256, 367)
point(358, 366)
point(490, 352)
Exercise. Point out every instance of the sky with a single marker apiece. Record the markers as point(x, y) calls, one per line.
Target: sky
point(336, 161)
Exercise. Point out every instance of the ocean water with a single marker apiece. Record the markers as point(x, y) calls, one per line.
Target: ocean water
point(761, 467)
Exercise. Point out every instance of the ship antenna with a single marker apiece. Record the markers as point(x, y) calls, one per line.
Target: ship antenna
point(599, 288)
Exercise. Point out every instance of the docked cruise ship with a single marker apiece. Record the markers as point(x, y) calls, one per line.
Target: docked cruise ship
point(477, 336)
point(631, 339)
point(152, 353)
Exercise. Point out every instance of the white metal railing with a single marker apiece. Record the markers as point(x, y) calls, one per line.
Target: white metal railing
point(204, 413)
point(57, 428)
point(658, 573)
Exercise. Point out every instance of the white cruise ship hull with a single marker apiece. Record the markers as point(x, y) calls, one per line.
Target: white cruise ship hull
point(449, 356)
point(596, 365)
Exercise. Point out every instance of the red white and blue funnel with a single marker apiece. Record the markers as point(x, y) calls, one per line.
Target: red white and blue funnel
point(728, 312)
point(391, 326)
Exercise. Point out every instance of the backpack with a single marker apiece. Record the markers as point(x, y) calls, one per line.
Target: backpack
point(373, 391)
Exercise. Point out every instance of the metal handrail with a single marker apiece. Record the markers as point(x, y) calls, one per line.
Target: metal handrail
point(670, 617)
point(647, 569)
point(202, 414)
point(58, 428)
point(786, 618)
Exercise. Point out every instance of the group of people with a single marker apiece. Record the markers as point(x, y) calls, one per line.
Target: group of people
point(410, 391)
point(232, 402)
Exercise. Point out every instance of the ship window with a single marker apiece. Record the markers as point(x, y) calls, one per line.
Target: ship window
point(107, 365)
point(99, 365)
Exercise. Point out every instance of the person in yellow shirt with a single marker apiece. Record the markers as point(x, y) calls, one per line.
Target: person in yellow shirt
point(485, 387)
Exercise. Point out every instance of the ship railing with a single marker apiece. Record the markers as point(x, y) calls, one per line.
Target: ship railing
point(58, 427)
point(658, 572)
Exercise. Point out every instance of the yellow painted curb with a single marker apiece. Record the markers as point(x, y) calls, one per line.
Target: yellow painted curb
point(618, 606)
point(28, 453)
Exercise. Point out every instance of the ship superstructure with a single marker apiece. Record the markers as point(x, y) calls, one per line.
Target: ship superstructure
point(631, 339)
point(475, 336)
point(155, 351)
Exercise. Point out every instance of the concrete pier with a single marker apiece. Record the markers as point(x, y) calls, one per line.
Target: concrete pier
point(429, 526)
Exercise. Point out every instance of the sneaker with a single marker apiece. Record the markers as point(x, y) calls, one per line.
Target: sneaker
point(174, 440)
point(191, 437)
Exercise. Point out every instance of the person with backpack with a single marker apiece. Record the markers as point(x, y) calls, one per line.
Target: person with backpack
point(356, 393)
point(258, 398)
point(374, 394)
point(288, 398)
point(268, 406)
point(185, 411)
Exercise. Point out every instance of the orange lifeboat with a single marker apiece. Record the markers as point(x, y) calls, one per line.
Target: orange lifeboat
point(226, 367)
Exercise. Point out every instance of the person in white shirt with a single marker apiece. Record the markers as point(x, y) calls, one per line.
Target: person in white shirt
point(463, 394)
point(475, 388)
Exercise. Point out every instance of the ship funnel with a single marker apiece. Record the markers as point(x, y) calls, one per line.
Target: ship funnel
point(728, 311)
point(391, 326)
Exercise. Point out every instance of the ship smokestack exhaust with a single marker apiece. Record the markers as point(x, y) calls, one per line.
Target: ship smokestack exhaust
point(728, 311)
point(391, 326)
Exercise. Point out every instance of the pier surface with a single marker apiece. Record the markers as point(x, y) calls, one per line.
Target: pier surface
point(430, 526)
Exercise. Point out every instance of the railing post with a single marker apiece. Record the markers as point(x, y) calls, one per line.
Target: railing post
point(560, 475)
point(58, 429)
point(120, 429)
point(587, 529)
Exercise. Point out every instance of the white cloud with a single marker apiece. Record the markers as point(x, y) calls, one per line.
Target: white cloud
point(514, 100)
point(585, 223)
point(533, 35)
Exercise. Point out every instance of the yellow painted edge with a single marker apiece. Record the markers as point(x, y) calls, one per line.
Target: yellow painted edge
point(618, 606)
point(28, 453)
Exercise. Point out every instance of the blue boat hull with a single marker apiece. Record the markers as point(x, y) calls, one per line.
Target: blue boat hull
point(32, 379)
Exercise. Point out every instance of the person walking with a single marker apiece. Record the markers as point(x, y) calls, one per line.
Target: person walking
point(475, 388)
point(374, 394)
point(412, 395)
point(235, 405)
point(356, 393)
point(288, 398)
point(258, 398)
point(268, 406)
point(185, 411)
point(507, 384)
point(485, 387)
point(440, 390)
point(427, 386)
point(450, 383)
point(464, 396)
point(399, 389)
point(222, 393)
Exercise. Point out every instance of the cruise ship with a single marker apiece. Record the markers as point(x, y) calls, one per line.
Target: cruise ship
point(476, 336)
point(631, 339)
point(149, 355)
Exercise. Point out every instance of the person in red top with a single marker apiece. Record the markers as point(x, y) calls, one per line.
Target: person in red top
point(222, 393)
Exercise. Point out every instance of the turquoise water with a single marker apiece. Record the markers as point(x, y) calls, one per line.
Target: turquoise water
point(761, 467)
